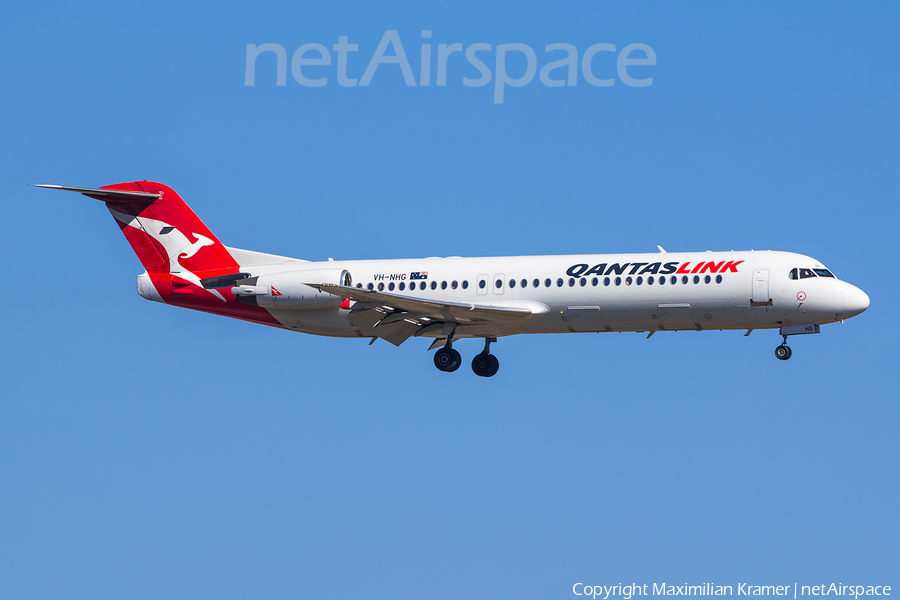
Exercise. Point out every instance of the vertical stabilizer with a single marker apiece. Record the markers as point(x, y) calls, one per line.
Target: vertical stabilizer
point(177, 250)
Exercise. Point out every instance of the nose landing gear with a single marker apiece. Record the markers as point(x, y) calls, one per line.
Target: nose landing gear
point(783, 352)
point(486, 364)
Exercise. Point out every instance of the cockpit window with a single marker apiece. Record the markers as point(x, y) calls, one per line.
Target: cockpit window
point(806, 273)
point(823, 273)
point(792, 274)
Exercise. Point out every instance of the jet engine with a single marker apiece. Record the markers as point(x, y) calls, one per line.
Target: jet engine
point(287, 290)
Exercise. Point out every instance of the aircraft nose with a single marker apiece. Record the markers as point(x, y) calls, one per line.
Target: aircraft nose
point(855, 301)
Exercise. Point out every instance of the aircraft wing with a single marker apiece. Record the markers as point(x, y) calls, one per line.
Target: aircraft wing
point(396, 318)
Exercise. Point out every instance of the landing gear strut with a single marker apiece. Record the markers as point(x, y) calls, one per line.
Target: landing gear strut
point(447, 359)
point(486, 364)
point(783, 352)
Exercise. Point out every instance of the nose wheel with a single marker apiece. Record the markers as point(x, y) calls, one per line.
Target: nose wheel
point(783, 352)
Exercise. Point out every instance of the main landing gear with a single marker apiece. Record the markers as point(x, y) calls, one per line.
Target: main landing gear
point(484, 364)
point(447, 359)
point(783, 352)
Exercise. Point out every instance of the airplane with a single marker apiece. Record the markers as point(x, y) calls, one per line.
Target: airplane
point(452, 298)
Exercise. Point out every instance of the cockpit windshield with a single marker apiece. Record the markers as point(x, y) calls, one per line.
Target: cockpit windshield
point(801, 273)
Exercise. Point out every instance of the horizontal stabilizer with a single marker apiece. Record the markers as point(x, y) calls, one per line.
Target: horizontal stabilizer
point(105, 194)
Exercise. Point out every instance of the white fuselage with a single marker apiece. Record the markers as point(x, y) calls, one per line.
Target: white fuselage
point(596, 293)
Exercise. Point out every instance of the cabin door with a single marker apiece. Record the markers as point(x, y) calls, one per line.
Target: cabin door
point(760, 292)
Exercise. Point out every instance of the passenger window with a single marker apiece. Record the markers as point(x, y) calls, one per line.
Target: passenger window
point(618, 281)
point(371, 286)
point(707, 279)
point(433, 285)
point(498, 283)
point(662, 281)
point(547, 282)
point(465, 284)
point(391, 286)
point(454, 284)
point(571, 281)
point(559, 282)
point(674, 280)
point(524, 283)
point(628, 281)
point(594, 282)
point(806, 273)
point(696, 279)
point(402, 286)
point(792, 274)
point(684, 280)
point(380, 287)
point(482, 283)
point(359, 285)
point(512, 283)
point(640, 280)
point(718, 279)
point(606, 281)
point(583, 281)
point(443, 285)
point(536, 283)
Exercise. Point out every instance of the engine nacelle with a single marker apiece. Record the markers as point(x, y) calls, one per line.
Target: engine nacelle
point(287, 290)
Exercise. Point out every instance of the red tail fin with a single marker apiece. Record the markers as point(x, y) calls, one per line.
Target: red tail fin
point(165, 233)
point(179, 252)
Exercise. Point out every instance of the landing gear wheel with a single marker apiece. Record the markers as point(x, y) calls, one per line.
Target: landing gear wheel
point(481, 364)
point(495, 367)
point(782, 352)
point(485, 365)
point(447, 359)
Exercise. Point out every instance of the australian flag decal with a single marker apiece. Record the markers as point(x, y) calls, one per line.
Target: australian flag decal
point(419, 275)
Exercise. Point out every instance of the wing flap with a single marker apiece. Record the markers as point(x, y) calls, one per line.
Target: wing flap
point(365, 319)
point(397, 332)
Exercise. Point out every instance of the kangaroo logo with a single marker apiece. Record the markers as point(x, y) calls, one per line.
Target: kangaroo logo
point(177, 244)
point(191, 250)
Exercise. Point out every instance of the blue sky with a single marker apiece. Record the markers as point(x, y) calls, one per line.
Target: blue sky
point(148, 451)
